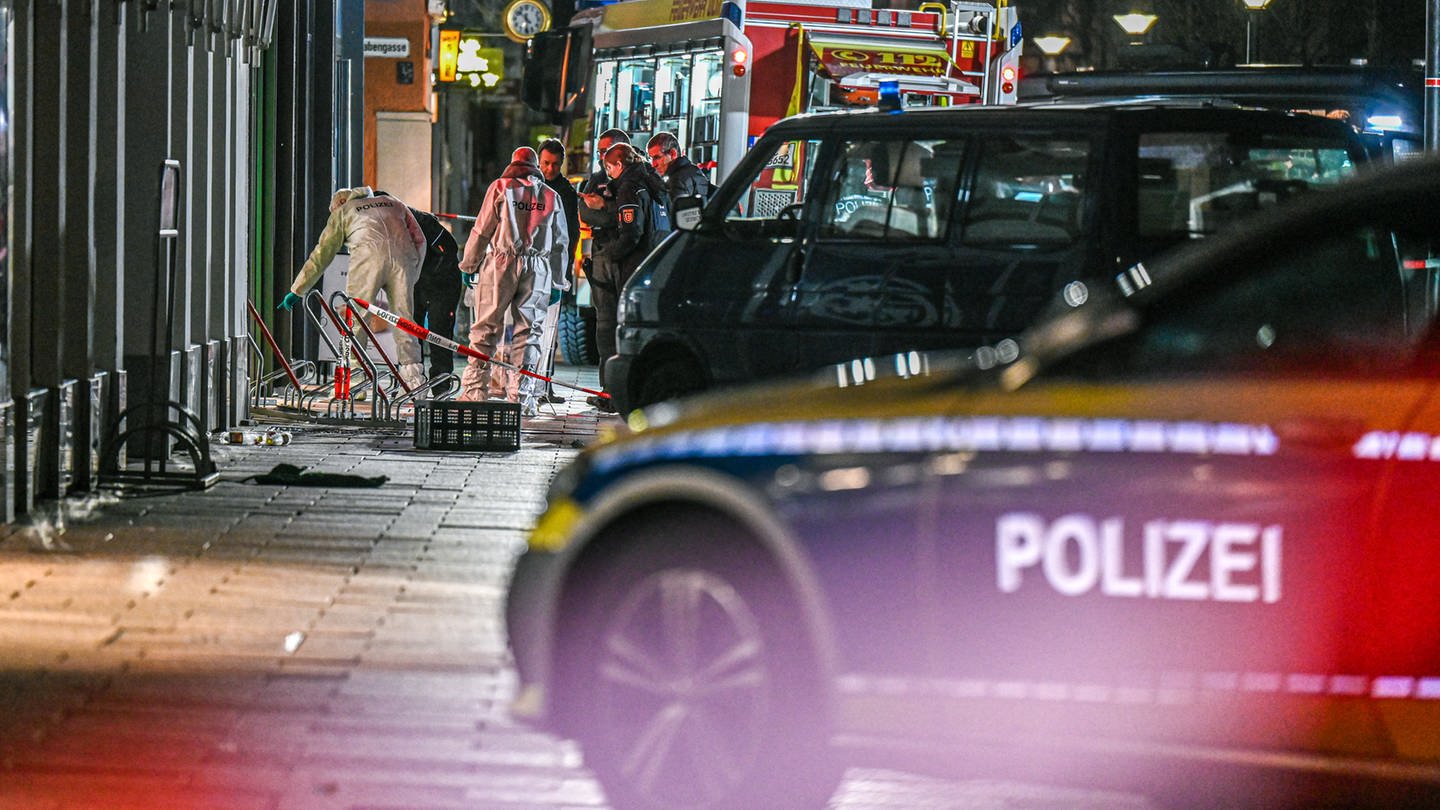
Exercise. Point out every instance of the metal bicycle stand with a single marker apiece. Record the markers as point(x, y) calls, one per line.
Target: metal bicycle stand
point(159, 422)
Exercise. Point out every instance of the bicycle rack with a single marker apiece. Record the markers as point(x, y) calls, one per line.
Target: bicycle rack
point(342, 409)
point(360, 319)
point(153, 421)
point(393, 404)
point(289, 397)
point(308, 398)
point(288, 368)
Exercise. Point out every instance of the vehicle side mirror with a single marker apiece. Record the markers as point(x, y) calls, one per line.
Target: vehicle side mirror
point(688, 212)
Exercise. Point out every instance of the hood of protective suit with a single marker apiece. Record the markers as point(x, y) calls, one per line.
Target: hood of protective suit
point(520, 169)
point(345, 195)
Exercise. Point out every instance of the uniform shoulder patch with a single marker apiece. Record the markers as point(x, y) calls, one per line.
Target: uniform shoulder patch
point(628, 213)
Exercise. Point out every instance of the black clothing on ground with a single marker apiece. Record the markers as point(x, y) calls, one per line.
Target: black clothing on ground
point(293, 475)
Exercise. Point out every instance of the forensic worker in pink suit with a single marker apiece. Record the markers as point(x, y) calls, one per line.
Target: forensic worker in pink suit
point(520, 233)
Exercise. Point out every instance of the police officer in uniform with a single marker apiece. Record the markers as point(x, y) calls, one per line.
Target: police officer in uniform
point(626, 202)
point(594, 213)
point(592, 191)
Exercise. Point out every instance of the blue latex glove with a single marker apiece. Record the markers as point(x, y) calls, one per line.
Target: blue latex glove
point(468, 279)
point(290, 300)
point(555, 294)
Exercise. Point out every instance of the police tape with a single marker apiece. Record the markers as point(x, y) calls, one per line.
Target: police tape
point(342, 368)
point(420, 332)
point(460, 217)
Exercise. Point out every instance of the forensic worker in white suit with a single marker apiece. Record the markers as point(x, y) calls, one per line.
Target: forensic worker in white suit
point(520, 232)
point(386, 249)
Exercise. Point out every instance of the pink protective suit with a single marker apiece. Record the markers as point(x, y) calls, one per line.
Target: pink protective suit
point(521, 234)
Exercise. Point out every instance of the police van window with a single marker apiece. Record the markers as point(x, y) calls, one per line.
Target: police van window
point(1335, 305)
point(1028, 190)
point(1192, 184)
point(892, 190)
point(778, 190)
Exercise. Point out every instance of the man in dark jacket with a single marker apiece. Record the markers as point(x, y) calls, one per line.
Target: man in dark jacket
point(682, 177)
point(552, 165)
point(626, 202)
point(437, 292)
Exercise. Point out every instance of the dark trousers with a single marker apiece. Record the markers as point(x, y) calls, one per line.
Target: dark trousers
point(607, 279)
point(437, 294)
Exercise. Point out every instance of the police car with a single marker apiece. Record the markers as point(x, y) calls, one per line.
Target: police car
point(1188, 521)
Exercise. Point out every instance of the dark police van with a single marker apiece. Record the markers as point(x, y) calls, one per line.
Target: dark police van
point(850, 235)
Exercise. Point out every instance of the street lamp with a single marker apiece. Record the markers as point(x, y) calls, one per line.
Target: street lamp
point(1252, 7)
point(1138, 25)
point(1052, 46)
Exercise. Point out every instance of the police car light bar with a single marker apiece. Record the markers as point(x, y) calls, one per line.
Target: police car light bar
point(1384, 122)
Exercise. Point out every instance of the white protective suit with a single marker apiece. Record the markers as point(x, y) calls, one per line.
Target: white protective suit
point(386, 249)
point(521, 234)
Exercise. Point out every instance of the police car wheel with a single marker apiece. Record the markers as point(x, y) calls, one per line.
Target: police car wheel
point(691, 674)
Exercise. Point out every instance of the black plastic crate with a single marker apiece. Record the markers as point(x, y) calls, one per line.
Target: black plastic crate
point(449, 425)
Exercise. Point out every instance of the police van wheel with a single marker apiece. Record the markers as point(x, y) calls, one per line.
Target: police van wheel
point(693, 682)
point(577, 333)
point(670, 378)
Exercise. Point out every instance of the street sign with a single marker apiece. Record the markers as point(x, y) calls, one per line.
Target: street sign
point(387, 47)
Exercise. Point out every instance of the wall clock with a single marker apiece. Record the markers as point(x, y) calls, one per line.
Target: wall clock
point(526, 18)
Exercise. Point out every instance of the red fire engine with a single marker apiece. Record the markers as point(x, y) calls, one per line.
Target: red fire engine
point(718, 72)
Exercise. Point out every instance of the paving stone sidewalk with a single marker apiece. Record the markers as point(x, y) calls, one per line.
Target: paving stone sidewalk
point(264, 646)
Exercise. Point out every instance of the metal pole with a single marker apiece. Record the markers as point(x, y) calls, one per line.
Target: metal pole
point(1250, 36)
point(1432, 76)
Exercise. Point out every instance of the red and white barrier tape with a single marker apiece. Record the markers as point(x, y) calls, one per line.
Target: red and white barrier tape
point(409, 326)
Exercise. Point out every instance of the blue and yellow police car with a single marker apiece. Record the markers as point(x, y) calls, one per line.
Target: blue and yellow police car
point(1187, 521)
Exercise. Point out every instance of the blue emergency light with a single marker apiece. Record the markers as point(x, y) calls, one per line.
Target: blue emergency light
point(890, 96)
point(1384, 122)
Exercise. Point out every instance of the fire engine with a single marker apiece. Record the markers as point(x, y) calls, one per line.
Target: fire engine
point(718, 72)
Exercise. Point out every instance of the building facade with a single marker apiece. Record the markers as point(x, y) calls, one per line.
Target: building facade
point(162, 164)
